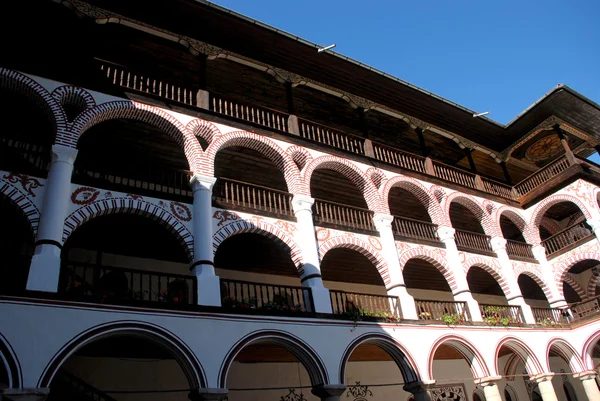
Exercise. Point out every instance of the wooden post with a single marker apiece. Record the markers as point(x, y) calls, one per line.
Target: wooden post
point(293, 125)
point(506, 173)
point(369, 151)
point(289, 97)
point(429, 166)
point(471, 161)
point(565, 143)
point(479, 183)
point(424, 150)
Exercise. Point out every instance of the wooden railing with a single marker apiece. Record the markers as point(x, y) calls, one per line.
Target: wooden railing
point(469, 241)
point(438, 310)
point(399, 158)
point(583, 309)
point(257, 115)
point(409, 228)
point(343, 215)
point(97, 283)
point(121, 76)
point(540, 177)
point(364, 304)
point(246, 295)
point(567, 237)
point(331, 137)
point(453, 174)
point(519, 249)
point(242, 194)
point(24, 157)
point(501, 315)
point(66, 386)
point(551, 316)
point(497, 188)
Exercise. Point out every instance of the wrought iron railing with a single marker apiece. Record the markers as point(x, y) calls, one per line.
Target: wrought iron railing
point(472, 242)
point(551, 316)
point(331, 137)
point(246, 296)
point(574, 234)
point(519, 249)
point(383, 306)
point(450, 311)
point(399, 158)
point(541, 176)
point(409, 228)
point(501, 315)
point(343, 215)
point(263, 116)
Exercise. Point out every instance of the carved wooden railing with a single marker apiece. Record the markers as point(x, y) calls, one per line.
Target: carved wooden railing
point(453, 174)
point(331, 137)
point(470, 241)
point(409, 228)
point(576, 233)
point(343, 215)
point(269, 118)
point(501, 314)
point(540, 177)
point(399, 158)
point(497, 188)
point(519, 249)
point(23, 157)
point(245, 295)
point(438, 310)
point(586, 308)
point(364, 304)
point(551, 316)
point(232, 193)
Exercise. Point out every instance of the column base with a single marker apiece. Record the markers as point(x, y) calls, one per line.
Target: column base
point(208, 290)
point(44, 270)
point(407, 302)
point(329, 392)
point(321, 299)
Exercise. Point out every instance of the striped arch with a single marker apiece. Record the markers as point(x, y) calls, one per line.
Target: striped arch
point(433, 258)
point(566, 352)
point(257, 226)
point(349, 170)
point(130, 110)
point(468, 351)
point(527, 356)
point(511, 366)
point(562, 269)
point(261, 144)
point(569, 279)
point(351, 242)
point(73, 96)
point(518, 220)
point(203, 129)
point(300, 156)
point(550, 225)
point(491, 268)
point(399, 354)
point(11, 363)
point(546, 204)
point(487, 222)
point(591, 287)
point(305, 354)
point(376, 176)
point(587, 352)
point(184, 356)
point(535, 275)
point(21, 83)
point(132, 206)
point(22, 201)
point(596, 197)
point(413, 186)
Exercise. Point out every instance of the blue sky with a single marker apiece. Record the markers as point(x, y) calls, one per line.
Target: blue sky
point(497, 55)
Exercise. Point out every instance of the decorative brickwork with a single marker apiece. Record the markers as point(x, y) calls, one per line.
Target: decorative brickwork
point(74, 96)
point(490, 267)
point(569, 279)
point(129, 205)
point(203, 129)
point(464, 347)
point(300, 156)
point(259, 143)
point(527, 356)
point(377, 177)
point(561, 270)
point(360, 246)
point(435, 259)
point(349, 170)
point(487, 222)
point(535, 274)
point(258, 226)
point(22, 202)
point(546, 204)
point(550, 225)
point(591, 287)
point(515, 217)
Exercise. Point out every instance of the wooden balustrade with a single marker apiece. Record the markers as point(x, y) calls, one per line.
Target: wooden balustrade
point(399, 158)
point(454, 174)
point(576, 233)
point(497, 188)
point(122, 76)
point(343, 215)
point(331, 137)
point(551, 316)
point(246, 295)
point(232, 193)
point(364, 304)
point(473, 242)
point(541, 176)
point(263, 116)
point(586, 308)
point(458, 312)
point(23, 157)
point(501, 315)
point(519, 249)
point(98, 283)
point(409, 228)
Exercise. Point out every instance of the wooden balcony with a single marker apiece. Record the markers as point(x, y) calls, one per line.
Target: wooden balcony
point(399, 158)
point(542, 176)
point(569, 238)
point(473, 242)
point(501, 315)
point(415, 230)
point(261, 116)
point(585, 309)
point(331, 137)
point(337, 215)
point(357, 305)
point(551, 316)
point(449, 312)
point(520, 251)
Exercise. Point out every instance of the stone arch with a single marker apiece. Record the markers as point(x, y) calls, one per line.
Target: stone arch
point(9, 359)
point(536, 276)
point(367, 250)
point(566, 352)
point(257, 226)
point(511, 366)
point(591, 287)
point(436, 260)
point(466, 349)
point(69, 95)
point(376, 176)
point(349, 170)
point(549, 225)
point(23, 84)
point(203, 129)
point(487, 223)
point(543, 206)
point(492, 268)
point(261, 144)
point(22, 200)
point(588, 350)
point(159, 335)
point(562, 269)
point(527, 356)
point(518, 220)
point(139, 112)
point(300, 156)
point(305, 354)
point(399, 354)
point(134, 206)
point(420, 192)
point(569, 279)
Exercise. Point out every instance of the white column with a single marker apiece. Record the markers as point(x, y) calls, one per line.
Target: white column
point(462, 292)
point(208, 285)
point(45, 264)
point(516, 299)
point(311, 275)
point(490, 387)
point(397, 287)
point(420, 389)
point(588, 379)
point(539, 253)
point(544, 382)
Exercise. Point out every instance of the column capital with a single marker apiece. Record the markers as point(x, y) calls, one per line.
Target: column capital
point(208, 394)
point(382, 221)
point(488, 381)
point(419, 386)
point(586, 375)
point(498, 243)
point(66, 154)
point(542, 377)
point(302, 203)
point(445, 233)
point(329, 390)
point(202, 182)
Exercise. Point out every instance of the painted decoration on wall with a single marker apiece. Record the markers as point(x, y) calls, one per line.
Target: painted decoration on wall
point(181, 211)
point(359, 392)
point(323, 234)
point(84, 195)
point(285, 226)
point(375, 243)
point(292, 396)
point(452, 392)
point(223, 216)
point(28, 183)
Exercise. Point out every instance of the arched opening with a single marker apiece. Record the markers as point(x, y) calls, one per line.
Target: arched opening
point(510, 394)
point(491, 298)
point(124, 258)
point(132, 156)
point(463, 218)
point(562, 358)
point(25, 149)
point(470, 235)
point(517, 364)
point(16, 247)
point(532, 292)
point(510, 230)
point(411, 216)
point(576, 279)
point(571, 225)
